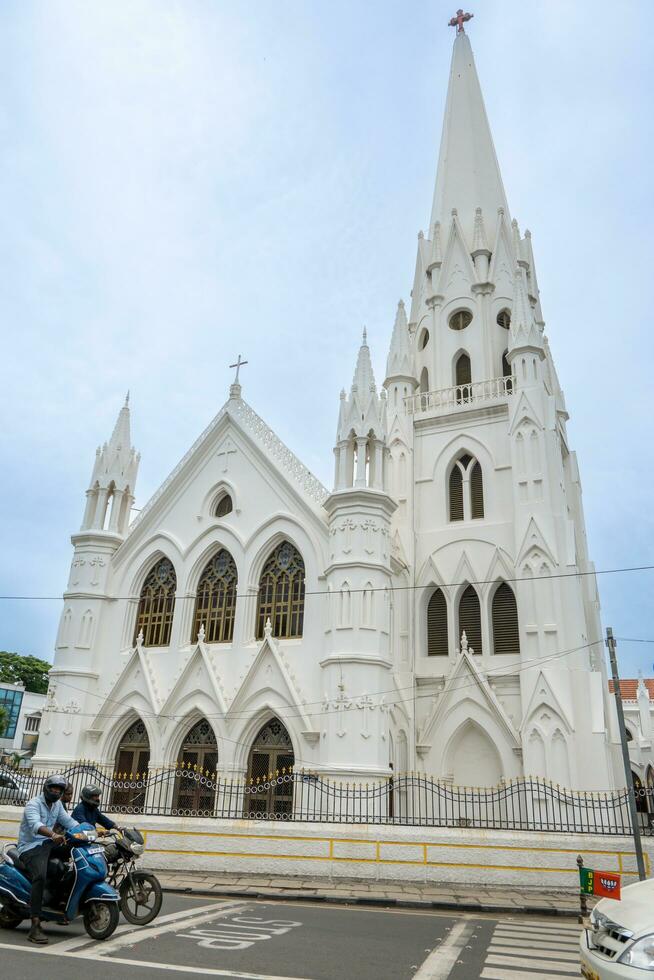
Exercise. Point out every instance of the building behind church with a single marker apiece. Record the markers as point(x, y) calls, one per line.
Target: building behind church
point(435, 611)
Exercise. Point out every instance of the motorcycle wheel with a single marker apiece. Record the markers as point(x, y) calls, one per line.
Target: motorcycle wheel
point(8, 920)
point(140, 898)
point(101, 919)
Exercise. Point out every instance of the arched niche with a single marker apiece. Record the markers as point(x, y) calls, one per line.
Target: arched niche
point(473, 758)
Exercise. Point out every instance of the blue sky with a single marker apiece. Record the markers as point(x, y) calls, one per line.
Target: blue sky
point(181, 180)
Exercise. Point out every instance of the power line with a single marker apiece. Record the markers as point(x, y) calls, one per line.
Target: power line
point(393, 588)
point(284, 714)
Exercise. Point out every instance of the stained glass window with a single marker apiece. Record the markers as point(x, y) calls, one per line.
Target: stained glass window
point(215, 605)
point(281, 593)
point(157, 605)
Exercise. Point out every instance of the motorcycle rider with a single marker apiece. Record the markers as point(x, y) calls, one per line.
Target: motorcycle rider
point(88, 809)
point(38, 842)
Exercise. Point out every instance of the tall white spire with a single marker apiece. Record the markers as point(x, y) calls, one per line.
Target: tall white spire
point(400, 357)
point(111, 489)
point(468, 174)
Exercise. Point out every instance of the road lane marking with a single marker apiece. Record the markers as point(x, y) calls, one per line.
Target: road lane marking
point(513, 946)
point(496, 973)
point(440, 961)
point(534, 953)
point(135, 964)
point(531, 961)
point(541, 926)
point(545, 937)
point(145, 933)
point(76, 942)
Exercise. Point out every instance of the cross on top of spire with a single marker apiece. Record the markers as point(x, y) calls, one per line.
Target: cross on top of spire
point(460, 20)
point(238, 365)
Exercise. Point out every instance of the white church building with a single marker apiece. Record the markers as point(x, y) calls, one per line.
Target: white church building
point(434, 611)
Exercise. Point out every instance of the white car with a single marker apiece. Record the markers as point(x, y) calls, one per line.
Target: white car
point(620, 943)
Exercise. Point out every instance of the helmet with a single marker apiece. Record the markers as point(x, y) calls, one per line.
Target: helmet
point(51, 785)
point(88, 794)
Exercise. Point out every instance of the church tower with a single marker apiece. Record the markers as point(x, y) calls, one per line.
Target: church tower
point(358, 661)
point(500, 544)
point(87, 599)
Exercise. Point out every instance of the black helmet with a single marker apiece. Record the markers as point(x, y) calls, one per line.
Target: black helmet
point(54, 782)
point(88, 794)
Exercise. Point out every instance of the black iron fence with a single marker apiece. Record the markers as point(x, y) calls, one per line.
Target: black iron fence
point(411, 799)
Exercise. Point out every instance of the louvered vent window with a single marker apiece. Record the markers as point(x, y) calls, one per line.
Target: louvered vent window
point(456, 494)
point(504, 319)
point(437, 625)
point(470, 619)
point(506, 636)
point(476, 492)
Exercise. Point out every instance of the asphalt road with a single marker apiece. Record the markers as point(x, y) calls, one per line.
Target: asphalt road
point(301, 941)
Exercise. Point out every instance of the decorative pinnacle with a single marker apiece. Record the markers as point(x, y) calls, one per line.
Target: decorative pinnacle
point(459, 20)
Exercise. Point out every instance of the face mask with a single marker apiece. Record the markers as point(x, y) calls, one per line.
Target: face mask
point(94, 804)
point(52, 795)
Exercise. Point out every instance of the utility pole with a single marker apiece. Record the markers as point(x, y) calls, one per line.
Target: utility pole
point(638, 847)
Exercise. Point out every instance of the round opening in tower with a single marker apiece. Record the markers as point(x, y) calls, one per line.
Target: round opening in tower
point(460, 320)
point(504, 319)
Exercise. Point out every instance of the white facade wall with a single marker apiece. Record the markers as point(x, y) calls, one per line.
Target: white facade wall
point(358, 691)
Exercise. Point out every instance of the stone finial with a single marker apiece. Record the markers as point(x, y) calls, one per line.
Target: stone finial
point(267, 630)
point(464, 642)
point(139, 640)
point(201, 634)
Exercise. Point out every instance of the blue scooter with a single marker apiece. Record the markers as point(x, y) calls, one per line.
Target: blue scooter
point(73, 888)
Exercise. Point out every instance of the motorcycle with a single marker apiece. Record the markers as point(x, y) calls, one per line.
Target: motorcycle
point(140, 893)
point(75, 887)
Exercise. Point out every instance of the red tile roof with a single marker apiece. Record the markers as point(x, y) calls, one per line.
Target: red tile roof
point(629, 688)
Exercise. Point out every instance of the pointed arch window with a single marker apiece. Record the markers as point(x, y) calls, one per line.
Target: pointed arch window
point(507, 372)
point(476, 492)
point(157, 605)
point(456, 493)
point(470, 618)
point(506, 635)
point(463, 378)
point(224, 506)
point(215, 604)
point(281, 593)
point(466, 489)
point(437, 645)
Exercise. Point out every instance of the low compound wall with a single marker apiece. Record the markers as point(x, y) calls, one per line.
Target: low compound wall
point(374, 852)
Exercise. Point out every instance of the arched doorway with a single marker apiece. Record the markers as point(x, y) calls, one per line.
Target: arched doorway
point(271, 754)
point(132, 759)
point(639, 791)
point(198, 757)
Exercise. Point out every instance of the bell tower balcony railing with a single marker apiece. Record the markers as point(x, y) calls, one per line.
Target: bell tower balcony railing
point(460, 396)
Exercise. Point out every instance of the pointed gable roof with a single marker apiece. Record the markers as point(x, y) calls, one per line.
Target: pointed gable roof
point(468, 174)
point(246, 420)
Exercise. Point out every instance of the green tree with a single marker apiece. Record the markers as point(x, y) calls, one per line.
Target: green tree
point(4, 717)
point(30, 671)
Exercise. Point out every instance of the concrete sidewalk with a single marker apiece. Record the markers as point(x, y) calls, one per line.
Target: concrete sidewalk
point(385, 893)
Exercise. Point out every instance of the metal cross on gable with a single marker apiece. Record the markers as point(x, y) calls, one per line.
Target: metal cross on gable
point(459, 21)
point(238, 365)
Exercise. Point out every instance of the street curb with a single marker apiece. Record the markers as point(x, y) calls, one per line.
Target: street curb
point(405, 903)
